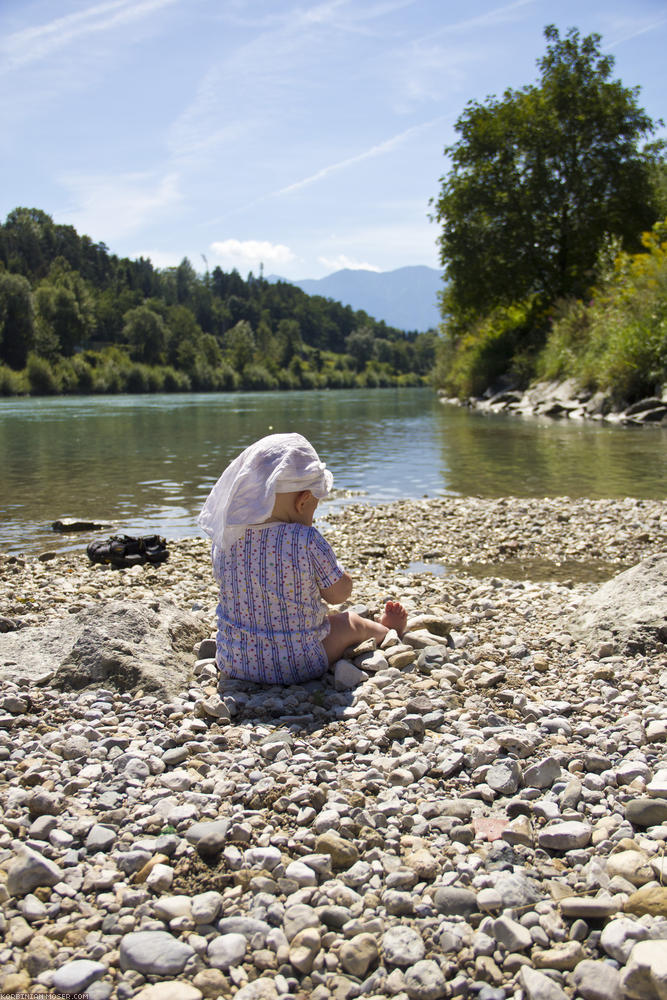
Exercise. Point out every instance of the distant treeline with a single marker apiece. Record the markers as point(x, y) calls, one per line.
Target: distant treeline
point(75, 318)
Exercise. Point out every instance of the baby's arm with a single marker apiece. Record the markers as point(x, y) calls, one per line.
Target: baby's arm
point(338, 591)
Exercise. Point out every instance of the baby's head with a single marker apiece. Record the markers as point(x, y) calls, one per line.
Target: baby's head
point(296, 507)
point(279, 477)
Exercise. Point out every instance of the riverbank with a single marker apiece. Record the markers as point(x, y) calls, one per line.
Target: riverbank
point(567, 399)
point(477, 811)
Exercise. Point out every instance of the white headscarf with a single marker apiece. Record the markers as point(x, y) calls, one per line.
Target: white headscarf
point(245, 493)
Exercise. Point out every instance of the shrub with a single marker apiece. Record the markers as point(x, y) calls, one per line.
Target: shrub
point(257, 377)
point(176, 381)
point(12, 383)
point(505, 341)
point(618, 340)
point(42, 378)
point(136, 379)
point(84, 373)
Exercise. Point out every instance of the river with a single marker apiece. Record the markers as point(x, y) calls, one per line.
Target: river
point(145, 464)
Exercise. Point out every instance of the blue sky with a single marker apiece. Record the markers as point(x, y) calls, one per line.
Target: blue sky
point(305, 135)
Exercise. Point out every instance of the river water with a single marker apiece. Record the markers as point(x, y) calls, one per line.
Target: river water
point(145, 464)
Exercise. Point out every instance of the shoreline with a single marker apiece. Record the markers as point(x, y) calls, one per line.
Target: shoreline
point(567, 400)
point(478, 810)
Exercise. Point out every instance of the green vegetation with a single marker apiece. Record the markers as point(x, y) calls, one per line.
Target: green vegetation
point(76, 319)
point(544, 182)
point(618, 340)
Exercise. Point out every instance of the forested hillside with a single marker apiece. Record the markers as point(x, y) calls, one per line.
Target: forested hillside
point(76, 318)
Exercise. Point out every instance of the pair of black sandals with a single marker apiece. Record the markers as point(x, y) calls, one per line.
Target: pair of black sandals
point(123, 551)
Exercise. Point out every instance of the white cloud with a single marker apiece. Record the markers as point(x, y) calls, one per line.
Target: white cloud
point(634, 33)
point(246, 253)
point(112, 206)
point(343, 262)
point(35, 43)
point(378, 150)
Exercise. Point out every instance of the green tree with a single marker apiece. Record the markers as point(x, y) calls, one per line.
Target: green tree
point(17, 331)
point(539, 178)
point(240, 345)
point(361, 346)
point(289, 343)
point(65, 317)
point(146, 333)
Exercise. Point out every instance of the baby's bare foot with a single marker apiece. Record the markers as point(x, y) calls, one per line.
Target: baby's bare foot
point(395, 616)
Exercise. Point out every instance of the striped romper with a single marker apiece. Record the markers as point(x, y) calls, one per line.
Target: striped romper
point(271, 616)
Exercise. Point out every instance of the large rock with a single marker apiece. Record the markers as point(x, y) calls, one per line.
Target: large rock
point(138, 644)
point(632, 607)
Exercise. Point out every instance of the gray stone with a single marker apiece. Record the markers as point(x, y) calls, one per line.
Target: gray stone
point(451, 901)
point(207, 649)
point(208, 837)
point(260, 989)
point(567, 835)
point(347, 676)
point(131, 644)
point(504, 777)
point(597, 980)
point(511, 934)
point(75, 977)
point(646, 811)
point(153, 953)
point(619, 937)
point(425, 981)
point(543, 774)
point(248, 926)
point(28, 870)
point(402, 945)
point(206, 906)
point(227, 950)
point(631, 606)
point(538, 986)
point(100, 838)
point(297, 918)
point(645, 975)
point(516, 889)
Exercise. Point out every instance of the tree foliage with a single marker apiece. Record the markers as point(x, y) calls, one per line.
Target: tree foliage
point(539, 178)
point(75, 318)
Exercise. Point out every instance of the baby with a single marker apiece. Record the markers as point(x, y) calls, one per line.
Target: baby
point(276, 571)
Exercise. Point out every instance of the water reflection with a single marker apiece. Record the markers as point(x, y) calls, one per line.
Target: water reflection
point(146, 463)
point(501, 455)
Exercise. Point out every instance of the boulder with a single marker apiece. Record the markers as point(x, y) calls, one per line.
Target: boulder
point(71, 524)
point(631, 607)
point(142, 644)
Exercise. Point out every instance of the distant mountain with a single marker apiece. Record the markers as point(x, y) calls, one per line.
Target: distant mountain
point(405, 298)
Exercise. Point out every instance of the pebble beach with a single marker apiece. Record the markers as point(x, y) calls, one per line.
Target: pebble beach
point(478, 809)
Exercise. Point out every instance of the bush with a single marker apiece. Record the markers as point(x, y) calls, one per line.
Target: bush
point(257, 377)
point(12, 383)
point(155, 378)
point(176, 381)
point(335, 378)
point(42, 377)
point(505, 341)
point(286, 380)
point(618, 340)
point(84, 374)
point(136, 379)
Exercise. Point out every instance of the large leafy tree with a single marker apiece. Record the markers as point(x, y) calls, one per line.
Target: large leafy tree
point(539, 179)
point(17, 328)
point(145, 331)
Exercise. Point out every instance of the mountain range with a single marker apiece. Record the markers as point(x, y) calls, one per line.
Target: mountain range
point(405, 298)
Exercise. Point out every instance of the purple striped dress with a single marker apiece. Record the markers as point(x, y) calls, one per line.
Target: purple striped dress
point(271, 617)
